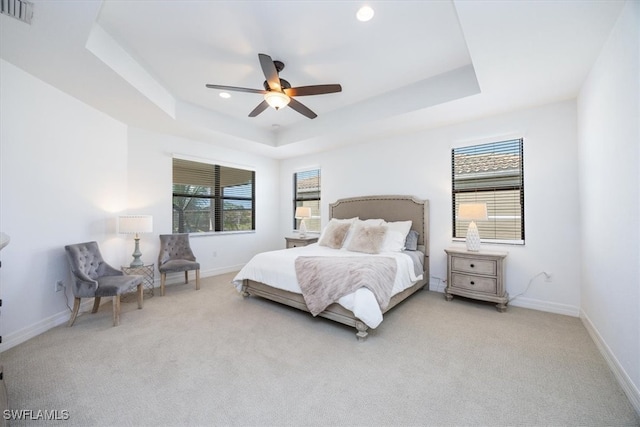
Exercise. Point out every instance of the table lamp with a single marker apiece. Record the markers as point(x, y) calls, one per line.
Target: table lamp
point(473, 212)
point(303, 213)
point(135, 224)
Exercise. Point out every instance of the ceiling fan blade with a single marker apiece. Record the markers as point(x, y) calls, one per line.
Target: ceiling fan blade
point(236, 89)
point(270, 72)
point(259, 109)
point(313, 90)
point(302, 109)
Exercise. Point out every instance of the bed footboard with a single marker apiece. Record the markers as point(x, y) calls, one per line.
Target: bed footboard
point(334, 312)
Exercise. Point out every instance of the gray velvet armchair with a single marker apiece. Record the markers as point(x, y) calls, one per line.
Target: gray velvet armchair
point(94, 278)
point(175, 256)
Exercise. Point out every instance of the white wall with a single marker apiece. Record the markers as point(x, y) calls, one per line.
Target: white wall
point(609, 145)
point(150, 178)
point(67, 171)
point(420, 165)
point(63, 176)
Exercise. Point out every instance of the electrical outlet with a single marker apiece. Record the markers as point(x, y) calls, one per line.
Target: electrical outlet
point(59, 285)
point(548, 277)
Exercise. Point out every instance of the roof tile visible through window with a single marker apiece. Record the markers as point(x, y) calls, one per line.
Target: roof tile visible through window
point(486, 162)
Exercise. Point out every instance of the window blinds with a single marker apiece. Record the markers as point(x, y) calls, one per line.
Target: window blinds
point(210, 197)
point(490, 173)
point(306, 187)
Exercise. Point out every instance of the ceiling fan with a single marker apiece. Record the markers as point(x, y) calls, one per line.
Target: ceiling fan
point(277, 92)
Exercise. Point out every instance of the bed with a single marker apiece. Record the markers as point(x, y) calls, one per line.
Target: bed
point(272, 275)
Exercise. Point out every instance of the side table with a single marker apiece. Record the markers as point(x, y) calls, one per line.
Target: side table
point(147, 271)
point(478, 275)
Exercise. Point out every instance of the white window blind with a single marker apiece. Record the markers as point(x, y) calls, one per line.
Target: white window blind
point(491, 173)
point(306, 190)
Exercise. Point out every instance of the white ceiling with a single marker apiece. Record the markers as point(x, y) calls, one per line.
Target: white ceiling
point(415, 65)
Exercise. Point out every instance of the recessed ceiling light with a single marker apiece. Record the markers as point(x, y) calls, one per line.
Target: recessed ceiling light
point(365, 13)
point(225, 95)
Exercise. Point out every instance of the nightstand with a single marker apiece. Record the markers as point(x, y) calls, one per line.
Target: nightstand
point(297, 241)
point(478, 275)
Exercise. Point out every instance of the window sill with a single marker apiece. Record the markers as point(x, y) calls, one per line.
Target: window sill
point(493, 242)
point(220, 233)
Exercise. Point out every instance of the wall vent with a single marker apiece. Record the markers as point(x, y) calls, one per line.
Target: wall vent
point(19, 9)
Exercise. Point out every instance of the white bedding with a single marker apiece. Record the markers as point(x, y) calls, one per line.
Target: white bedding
point(277, 269)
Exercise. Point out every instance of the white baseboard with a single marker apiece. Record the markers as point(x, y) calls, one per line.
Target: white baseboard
point(25, 334)
point(629, 388)
point(174, 278)
point(550, 307)
point(534, 304)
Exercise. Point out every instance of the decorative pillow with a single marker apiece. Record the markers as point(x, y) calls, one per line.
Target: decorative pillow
point(396, 235)
point(367, 238)
point(337, 221)
point(334, 234)
point(411, 242)
point(367, 222)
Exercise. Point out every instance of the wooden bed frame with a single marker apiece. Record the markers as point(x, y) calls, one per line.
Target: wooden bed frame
point(389, 208)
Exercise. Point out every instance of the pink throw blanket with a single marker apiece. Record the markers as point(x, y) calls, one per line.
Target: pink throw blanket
point(324, 280)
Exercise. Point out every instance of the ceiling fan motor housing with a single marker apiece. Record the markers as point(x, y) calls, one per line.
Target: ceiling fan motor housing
point(283, 84)
point(279, 65)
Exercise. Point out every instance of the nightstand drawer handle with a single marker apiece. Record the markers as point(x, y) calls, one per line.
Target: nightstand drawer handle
point(471, 265)
point(472, 282)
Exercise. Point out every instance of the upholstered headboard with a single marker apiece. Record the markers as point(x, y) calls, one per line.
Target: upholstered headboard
point(389, 208)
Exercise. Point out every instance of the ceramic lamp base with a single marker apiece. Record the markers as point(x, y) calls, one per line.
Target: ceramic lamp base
point(473, 238)
point(302, 230)
point(137, 262)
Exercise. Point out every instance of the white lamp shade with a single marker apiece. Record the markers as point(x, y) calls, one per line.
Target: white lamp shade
point(133, 224)
point(473, 211)
point(303, 212)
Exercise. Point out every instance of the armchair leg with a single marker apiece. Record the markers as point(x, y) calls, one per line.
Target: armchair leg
point(197, 280)
point(186, 277)
point(140, 295)
point(116, 310)
point(163, 278)
point(76, 308)
point(96, 305)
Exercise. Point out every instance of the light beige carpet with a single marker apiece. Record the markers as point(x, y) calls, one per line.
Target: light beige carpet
point(210, 357)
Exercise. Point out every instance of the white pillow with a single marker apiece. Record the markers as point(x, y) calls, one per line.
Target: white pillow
point(396, 235)
point(366, 222)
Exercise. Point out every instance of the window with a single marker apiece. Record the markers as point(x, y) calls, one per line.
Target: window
point(306, 190)
point(490, 173)
point(209, 197)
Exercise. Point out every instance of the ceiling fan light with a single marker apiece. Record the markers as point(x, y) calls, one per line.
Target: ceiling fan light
point(276, 99)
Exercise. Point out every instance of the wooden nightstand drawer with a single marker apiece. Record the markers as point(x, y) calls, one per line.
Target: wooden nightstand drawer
point(474, 283)
point(295, 242)
point(475, 266)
